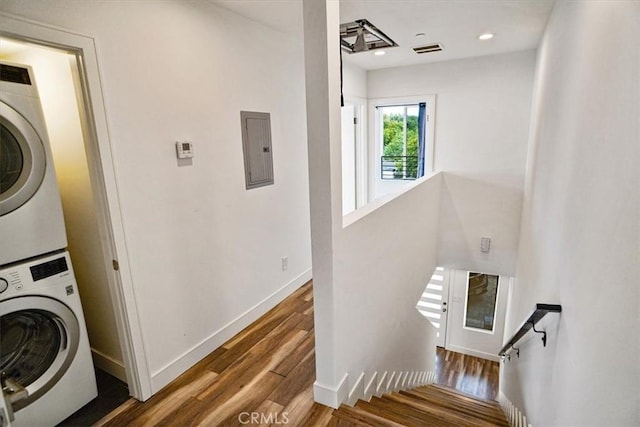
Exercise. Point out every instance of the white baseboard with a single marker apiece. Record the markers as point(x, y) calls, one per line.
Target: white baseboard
point(173, 369)
point(475, 353)
point(370, 388)
point(380, 387)
point(514, 416)
point(357, 391)
point(329, 396)
point(109, 365)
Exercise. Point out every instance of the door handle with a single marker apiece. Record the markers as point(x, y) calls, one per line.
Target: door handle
point(14, 391)
point(444, 309)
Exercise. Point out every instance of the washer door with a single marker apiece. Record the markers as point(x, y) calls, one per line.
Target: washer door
point(39, 340)
point(22, 160)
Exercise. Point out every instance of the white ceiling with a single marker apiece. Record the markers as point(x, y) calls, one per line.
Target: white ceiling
point(455, 24)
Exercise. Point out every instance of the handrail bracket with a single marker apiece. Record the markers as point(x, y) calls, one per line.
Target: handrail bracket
point(544, 334)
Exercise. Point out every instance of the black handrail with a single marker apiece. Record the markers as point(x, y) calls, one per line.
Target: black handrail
point(538, 313)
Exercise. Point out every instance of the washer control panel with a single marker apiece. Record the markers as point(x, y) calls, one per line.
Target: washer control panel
point(10, 281)
point(35, 274)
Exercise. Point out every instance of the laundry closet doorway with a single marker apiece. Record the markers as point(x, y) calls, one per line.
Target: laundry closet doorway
point(67, 76)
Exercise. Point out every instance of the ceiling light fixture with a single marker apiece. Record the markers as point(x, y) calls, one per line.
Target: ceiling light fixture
point(379, 52)
point(361, 36)
point(360, 45)
point(485, 36)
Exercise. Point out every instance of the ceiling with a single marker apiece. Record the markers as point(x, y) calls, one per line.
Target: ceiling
point(455, 24)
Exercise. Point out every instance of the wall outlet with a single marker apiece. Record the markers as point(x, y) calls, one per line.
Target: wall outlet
point(285, 263)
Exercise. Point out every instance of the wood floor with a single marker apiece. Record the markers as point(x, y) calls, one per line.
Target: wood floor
point(433, 405)
point(468, 374)
point(267, 372)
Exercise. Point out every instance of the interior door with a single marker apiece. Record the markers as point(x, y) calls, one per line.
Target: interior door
point(434, 301)
point(477, 313)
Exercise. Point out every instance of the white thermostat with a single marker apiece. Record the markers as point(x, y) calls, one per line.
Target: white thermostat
point(184, 149)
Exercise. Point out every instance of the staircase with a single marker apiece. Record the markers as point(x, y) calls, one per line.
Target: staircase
point(432, 405)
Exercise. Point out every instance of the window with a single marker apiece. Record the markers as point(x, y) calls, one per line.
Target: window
point(480, 305)
point(403, 132)
point(399, 158)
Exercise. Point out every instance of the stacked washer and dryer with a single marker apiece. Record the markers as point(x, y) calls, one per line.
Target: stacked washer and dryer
point(45, 360)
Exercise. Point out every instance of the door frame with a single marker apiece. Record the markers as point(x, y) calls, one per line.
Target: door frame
point(104, 185)
point(361, 162)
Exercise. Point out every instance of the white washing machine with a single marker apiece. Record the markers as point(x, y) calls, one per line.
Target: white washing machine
point(45, 359)
point(31, 220)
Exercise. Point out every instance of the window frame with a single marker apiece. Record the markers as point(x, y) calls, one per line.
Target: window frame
point(495, 306)
point(376, 139)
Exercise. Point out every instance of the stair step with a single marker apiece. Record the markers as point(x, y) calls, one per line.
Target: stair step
point(430, 405)
point(445, 413)
point(443, 392)
point(461, 404)
point(361, 417)
point(402, 413)
point(457, 393)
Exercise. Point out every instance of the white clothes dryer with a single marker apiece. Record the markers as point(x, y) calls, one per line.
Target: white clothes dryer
point(45, 359)
point(31, 218)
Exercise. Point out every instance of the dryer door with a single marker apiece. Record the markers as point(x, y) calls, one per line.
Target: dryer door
point(39, 340)
point(22, 160)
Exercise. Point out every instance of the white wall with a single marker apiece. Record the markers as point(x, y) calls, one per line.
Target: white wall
point(482, 108)
point(203, 250)
point(481, 126)
point(580, 225)
point(476, 205)
point(55, 84)
point(367, 276)
point(384, 260)
point(354, 79)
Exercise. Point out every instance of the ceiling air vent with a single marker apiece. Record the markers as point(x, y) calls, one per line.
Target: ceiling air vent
point(437, 47)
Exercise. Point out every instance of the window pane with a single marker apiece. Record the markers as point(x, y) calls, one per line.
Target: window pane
point(393, 130)
point(482, 291)
point(399, 141)
point(412, 141)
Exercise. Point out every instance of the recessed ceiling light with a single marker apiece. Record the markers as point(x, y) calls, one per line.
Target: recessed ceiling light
point(379, 52)
point(485, 36)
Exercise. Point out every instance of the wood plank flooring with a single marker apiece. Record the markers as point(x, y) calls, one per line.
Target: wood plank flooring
point(266, 371)
point(467, 374)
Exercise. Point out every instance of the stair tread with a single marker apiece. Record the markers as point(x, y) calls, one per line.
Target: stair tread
point(459, 397)
point(361, 417)
point(403, 414)
point(446, 389)
point(491, 413)
point(432, 405)
point(444, 412)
